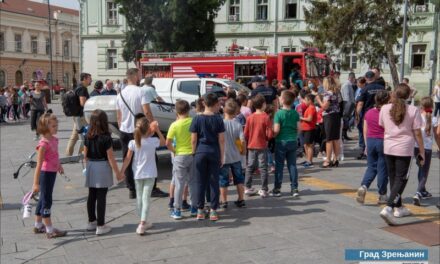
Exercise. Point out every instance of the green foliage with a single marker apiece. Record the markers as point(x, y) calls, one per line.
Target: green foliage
point(169, 26)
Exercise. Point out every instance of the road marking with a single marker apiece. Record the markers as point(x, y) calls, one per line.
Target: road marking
point(371, 198)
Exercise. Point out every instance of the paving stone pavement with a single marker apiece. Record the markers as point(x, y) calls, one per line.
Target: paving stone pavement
point(316, 228)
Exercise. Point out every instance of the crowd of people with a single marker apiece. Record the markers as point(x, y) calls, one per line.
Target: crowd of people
point(248, 135)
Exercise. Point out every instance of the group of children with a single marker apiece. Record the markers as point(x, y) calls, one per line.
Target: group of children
point(14, 103)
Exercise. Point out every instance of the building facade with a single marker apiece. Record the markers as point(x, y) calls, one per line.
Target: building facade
point(279, 26)
point(102, 31)
point(25, 43)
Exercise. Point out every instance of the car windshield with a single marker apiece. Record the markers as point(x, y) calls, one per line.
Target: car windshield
point(238, 87)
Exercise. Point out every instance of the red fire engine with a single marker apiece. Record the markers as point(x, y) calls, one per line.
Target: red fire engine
point(235, 65)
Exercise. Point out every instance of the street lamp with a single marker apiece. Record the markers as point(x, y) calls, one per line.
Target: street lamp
point(402, 65)
point(50, 50)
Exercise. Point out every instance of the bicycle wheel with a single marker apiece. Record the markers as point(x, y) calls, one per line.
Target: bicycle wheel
point(24, 169)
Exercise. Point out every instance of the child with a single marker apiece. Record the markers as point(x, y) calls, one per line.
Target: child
point(15, 102)
point(45, 174)
point(429, 126)
point(286, 125)
point(258, 132)
point(373, 133)
point(183, 158)
point(244, 110)
point(3, 105)
point(207, 140)
point(99, 158)
point(143, 148)
point(308, 125)
point(234, 138)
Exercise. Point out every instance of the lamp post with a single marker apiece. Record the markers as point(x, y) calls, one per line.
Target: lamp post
point(402, 65)
point(50, 50)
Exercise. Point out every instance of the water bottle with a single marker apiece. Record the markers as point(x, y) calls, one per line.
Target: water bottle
point(27, 211)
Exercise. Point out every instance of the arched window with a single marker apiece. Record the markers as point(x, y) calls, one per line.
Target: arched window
point(2, 78)
point(18, 78)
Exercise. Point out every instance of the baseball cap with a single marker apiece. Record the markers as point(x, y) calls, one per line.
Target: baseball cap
point(257, 78)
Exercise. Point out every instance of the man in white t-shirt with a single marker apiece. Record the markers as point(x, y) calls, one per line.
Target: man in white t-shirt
point(130, 102)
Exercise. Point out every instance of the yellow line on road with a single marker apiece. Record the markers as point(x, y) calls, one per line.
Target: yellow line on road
point(371, 198)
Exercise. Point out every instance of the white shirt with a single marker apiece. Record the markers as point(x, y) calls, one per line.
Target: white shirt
point(144, 160)
point(150, 93)
point(427, 140)
point(437, 94)
point(135, 98)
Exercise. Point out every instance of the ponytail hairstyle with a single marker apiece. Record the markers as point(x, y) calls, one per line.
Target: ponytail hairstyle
point(427, 105)
point(398, 109)
point(142, 129)
point(98, 124)
point(381, 98)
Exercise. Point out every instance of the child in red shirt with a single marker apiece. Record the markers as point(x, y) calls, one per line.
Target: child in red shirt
point(258, 131)
point(308, 125)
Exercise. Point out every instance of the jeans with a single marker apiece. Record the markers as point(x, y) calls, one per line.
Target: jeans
point(376, 165)
point(237, 174)
point(129, 177)
point(35, 115)
point(257, 158)
point(285, 150)
point(97, 200)
point(47, 182)
point(182, 175)
point(206, 171)
point(360, 128)
point(143, 196)
point(398, 174)
point(437, 109)
point(423, 171)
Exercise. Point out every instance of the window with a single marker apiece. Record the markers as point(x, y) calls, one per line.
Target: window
point(262, 7)
point(47, 46)
point(289, 49)
point(66, 48)
point(112, 13)
point(18, 78)
point(291, 9)
point(350, 60)
point(112, 59)
point(2, 78)
point(17, 39)
point(421, 6)
point(2, 42)
point(418, 54)
point(34, 45)
point(189, 87)
point(234, 10)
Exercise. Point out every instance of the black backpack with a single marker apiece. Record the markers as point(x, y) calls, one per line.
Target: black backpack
point(71, 104)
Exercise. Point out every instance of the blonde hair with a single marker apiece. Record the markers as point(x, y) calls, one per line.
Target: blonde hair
point(142, 128)
point(43, 123)
point(331, 84)
point(427, 103)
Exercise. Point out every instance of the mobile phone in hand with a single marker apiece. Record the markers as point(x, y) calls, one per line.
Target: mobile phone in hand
point(419, 160)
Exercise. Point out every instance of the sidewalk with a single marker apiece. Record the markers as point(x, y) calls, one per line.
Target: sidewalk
point(317, 228)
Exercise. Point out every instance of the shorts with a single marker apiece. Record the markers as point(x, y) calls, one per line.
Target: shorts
point(308, 137)
point(237, 174)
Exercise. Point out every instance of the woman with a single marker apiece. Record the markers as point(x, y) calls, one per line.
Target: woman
point(436, 95)
point(402, 127)
point(38, 106)
point(331, 104)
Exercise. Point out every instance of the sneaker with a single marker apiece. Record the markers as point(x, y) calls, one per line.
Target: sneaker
point(40, 230)
point(308, 165)
point(193, 212)
point(140, 230)
point(426, 195)
point(250, 191)
point(91, 226)
point(185, 206)
point(158, 193)
point(401, 212)
point(416, 198)
point(361, 156)
point(294, 193)
point(213, 216)
point(176, 214)
point(262, 193)
point(302, 163)
point(132, 194)
point(101, 230)
point(171, 204)
point(240, 203)
point(383, 199)
point(56, 233)
point(200, 214)
point(361, 192)
point(275, 193)
point(224, 205)
point(341, 157)
point(387, 215)
point(148, 225)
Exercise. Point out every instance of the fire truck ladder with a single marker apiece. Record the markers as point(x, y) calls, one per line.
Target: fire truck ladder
point(206, 54)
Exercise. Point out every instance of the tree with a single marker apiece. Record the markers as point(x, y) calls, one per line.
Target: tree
point(169, 26)
point(372, 27)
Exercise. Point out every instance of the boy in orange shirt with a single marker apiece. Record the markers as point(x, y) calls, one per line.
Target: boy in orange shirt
point(308, 125)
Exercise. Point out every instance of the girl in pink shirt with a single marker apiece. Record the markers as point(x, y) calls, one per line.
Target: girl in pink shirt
point(402, 125)
point(45, 173)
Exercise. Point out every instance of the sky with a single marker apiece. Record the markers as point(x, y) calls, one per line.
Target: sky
point(74, 4)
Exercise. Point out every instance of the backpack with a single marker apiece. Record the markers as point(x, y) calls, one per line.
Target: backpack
point(71, 104)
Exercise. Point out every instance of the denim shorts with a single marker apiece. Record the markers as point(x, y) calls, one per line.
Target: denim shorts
point(237, 174)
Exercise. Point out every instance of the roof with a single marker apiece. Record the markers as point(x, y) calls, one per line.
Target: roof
point(31, 8)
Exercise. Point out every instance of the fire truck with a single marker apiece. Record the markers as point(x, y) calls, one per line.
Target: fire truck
point(235, 65)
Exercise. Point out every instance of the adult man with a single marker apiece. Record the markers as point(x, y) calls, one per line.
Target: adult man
point(108, 89)
point(348, 102)
point(413, 91)
point(150, 91)
point(98, 88)
point(130, 102)
point(366, 102)
point(259, 87)
point(379, 79)
point(79, 121)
